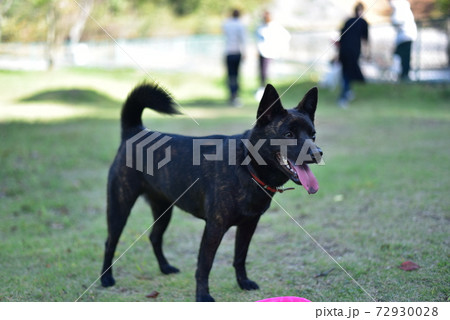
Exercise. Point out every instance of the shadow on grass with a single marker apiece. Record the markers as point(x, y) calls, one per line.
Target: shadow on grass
point(73, 96)
point(205, 103)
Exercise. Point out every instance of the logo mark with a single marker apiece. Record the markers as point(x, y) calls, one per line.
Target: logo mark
point(145, 150)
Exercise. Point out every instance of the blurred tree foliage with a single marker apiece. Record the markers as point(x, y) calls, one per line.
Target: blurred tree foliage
point(184, 7)
point(5, 5)
point(37, 20)
point(443, 7)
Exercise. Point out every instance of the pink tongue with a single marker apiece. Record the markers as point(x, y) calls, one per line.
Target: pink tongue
point(307, 178)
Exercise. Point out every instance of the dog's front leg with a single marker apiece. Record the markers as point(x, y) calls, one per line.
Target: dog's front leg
point(244, 234)
point(212, 236)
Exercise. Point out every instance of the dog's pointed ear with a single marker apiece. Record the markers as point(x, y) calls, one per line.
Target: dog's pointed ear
point(269, 107)
point(308, 104)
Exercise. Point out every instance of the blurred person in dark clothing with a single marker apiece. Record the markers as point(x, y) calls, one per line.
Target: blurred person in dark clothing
point(353, 34)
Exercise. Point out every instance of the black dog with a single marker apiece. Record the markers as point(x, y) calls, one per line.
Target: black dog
point(231, 183)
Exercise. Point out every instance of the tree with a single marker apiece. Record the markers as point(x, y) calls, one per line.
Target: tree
point(5, 5)
point(77, 28)
point(65, 20)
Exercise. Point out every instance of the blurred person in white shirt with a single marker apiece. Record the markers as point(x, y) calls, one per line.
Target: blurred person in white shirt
point(272, 41)
point(402, 19)
point(235, 40)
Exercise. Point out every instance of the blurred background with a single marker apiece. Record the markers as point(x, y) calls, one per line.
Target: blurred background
point(66, 66)
point(185, 35)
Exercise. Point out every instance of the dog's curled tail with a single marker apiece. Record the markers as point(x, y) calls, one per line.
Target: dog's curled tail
point(143, 96)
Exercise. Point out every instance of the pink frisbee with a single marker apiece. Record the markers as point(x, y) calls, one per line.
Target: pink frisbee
point(284, 299)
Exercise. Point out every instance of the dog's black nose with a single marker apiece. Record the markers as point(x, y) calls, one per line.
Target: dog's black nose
point(316, 153)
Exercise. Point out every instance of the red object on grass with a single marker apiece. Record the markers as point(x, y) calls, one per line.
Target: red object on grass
point(285, 299)
point(153, 295)
point(409, 266)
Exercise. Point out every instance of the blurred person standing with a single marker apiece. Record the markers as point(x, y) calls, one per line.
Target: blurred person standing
point(235, 39)
point(402, 19)
point(272, 40)
point(354, 33)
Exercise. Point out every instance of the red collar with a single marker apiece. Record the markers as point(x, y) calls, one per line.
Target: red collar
point(264, 185)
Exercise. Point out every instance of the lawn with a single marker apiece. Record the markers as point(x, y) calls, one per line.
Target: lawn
point(383, 196)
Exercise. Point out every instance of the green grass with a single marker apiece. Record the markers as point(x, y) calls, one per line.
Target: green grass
point(383, 195)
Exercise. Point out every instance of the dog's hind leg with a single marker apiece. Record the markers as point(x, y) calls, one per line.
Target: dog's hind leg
point(119, 205)
point(244, 234)
point(162, 212)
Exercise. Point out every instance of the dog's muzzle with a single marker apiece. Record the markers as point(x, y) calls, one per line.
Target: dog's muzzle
point(316, 155)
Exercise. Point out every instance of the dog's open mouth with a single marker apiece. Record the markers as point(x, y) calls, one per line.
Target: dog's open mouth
point(300, 174)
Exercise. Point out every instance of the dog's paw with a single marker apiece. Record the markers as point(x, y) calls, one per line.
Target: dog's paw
point(168, 269)
point(108, 281)
point(204, 298)
point(248, 285)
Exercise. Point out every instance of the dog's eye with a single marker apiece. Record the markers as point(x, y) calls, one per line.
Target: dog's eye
point(289, 134)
